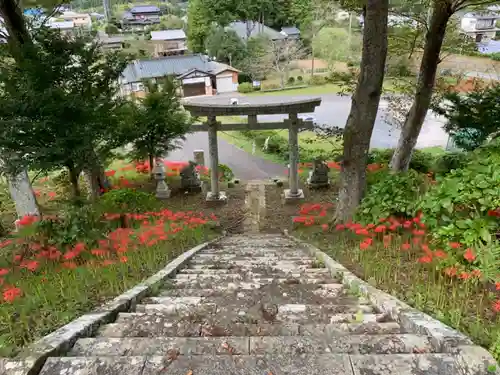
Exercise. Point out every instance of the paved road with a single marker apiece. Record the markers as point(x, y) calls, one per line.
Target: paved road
point(333, 110)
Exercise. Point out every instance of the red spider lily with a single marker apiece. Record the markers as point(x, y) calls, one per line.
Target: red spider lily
point(440, 254)
point(373, 167)
point(476, 273)
point(4, 271)
point(52, 195)
point(380, 229)
point(451, 271)
point(27, 220)
point(387, 240)
point(469, 255)
point(406, 246)
point(99, 252)
point(110, 173)
point(123, 259)
point(340, 227)
point(496, 306)
point(108, 262)
point(31, 265)
point(17, 258)
point(363, 232)
point(333, 165)
point(382, 220)
point(455, 245)
point(418, 232)
point(370, 226)
point(417, 240)
point(494, 212)
point(37, 193)
point(497, 285)
point(465, 276)
point(425, 259)
point(324, 227)
point(11, 293)
point(111, 217)
point(407, 224)
point(364, 245)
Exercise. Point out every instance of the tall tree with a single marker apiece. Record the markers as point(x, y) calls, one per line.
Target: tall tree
point(364, 107)
point(226, 46)
point(199, 25)
point(442, 11)
point(159, 121)
point(56, 114)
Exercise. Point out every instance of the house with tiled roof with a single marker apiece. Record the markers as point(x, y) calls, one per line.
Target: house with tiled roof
point(169, 42)
point(291, 32)
point(140, 16)
point(197, 74)
point(251, 29)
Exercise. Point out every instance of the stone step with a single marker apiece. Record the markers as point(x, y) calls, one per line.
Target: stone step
point(268, 345)
point(242, 255)
point(256, 271)
point(237, 281)
point(156, 326)
point(297, 313)
point(299, 364)
point(310, 293)
point(250, 261)
point(283, 265)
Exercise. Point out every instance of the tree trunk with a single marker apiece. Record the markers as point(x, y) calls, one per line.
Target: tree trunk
point(95, 176)
point(364, 107)
point(151, 165)
point(23, 195)
point(425, 86)
point(73, 178)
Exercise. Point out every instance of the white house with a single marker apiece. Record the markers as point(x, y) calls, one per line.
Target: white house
point(480, 26)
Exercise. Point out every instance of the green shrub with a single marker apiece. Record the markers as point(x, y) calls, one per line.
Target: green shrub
point(271, 86)
point(300, 78)
point(495, 56)
point(111, 29)
point(227, 173)
point(340, 76)
point(391, 194)
point(459, 208)
point(317, 80)
point(450, 161)
point(245, 87)
point(421, 161)
point(127, 200)
point(291, 80)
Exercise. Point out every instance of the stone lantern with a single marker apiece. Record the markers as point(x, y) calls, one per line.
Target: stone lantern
point(162, 190)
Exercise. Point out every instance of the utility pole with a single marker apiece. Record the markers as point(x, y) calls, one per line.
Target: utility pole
point(107, 10)
point(349, 38)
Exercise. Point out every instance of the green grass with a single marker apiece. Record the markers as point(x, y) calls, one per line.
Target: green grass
point(239, 140)
point(329, 88)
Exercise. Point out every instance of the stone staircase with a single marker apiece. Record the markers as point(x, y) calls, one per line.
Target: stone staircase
point(253, 305)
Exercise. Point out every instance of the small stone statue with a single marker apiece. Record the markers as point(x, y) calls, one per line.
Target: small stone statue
point(162, 190)
point(190, 178)
point(318, 177)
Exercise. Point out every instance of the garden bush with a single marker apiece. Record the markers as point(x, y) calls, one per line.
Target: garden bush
point(245, 87)
point(463, 207)
point(495, 56)
point(452, 160)
point(317, 80)
point(127, 200)
point(225, 172)
point(391, 194)
point(421, 161)
point(291, 80)
point(300, 78)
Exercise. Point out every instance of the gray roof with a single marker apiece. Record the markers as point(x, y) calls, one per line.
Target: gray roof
point(168, 34)
point(290, 30)
point(256, 29)
point(145, 9)
point(171, 65)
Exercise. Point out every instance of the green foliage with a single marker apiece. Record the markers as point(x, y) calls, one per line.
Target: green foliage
point(127, 200)
point(159, 121)
point(317, 80)
point(421, 161)
point(291, 80)
point(331, 45)
point(111, 29)
point(457, 209)
point(391, 194)
point(450, 161)
point(171, 22)
point(495, 56)
point(226, 173)
point(300, 78)
point(198, 26)
point(245, 87)
point(54, 114)
point(225, 46)
point(74, 225)
point(399, 67)
point(472, 118)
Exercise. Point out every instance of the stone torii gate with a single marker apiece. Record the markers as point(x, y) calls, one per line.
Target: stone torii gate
point(252, 107)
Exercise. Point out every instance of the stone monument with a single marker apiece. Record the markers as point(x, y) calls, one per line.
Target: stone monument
point(318, 177)
point(162, 190)
point(190, 179)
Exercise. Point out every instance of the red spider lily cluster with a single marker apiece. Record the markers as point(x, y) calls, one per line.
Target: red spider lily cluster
point(173, 168)
point(150, 229)
point(414, 229)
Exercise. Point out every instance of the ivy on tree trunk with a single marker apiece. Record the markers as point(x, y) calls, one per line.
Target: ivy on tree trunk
point(364, 107)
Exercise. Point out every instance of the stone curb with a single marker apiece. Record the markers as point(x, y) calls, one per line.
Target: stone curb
point(31, 360)
point(472, 359)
